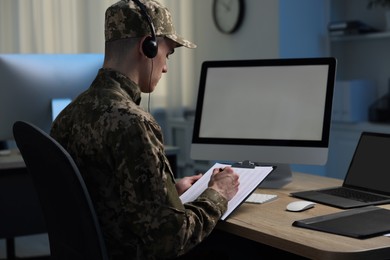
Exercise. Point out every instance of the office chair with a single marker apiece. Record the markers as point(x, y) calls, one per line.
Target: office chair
point(73, 228)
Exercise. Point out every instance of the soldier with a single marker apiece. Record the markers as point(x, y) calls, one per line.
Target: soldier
point(119, 147)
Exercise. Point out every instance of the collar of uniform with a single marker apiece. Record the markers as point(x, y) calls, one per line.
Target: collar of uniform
point(125, 83)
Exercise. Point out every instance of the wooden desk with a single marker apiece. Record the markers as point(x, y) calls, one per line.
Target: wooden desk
point(271, 224)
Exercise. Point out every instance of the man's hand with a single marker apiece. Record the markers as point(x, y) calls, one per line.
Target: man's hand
point(225, 181)
point(185, 183)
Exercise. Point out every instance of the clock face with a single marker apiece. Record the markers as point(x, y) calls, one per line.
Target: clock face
point(228, 14)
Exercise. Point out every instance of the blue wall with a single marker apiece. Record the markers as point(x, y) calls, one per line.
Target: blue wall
point(299, 21)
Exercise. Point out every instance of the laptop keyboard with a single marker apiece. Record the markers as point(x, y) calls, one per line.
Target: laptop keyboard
point(354, 194)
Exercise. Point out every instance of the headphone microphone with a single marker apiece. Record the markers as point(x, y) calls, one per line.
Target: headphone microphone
point(149, 46)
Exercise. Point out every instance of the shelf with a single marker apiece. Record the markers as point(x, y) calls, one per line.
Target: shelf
point(368, 36)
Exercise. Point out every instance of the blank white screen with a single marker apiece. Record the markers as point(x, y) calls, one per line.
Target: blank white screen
point(270, 102)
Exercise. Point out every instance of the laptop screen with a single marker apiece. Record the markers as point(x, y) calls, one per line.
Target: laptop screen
point(370, 165)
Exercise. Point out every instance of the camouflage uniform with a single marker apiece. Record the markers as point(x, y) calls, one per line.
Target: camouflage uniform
point(120, 152)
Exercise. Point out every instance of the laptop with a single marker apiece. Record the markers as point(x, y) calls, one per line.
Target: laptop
point(367, 181)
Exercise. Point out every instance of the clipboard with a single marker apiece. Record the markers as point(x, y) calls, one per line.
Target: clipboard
point(358, 223)
point(250, 179)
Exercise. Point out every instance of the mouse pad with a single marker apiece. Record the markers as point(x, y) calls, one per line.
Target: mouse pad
point(359, 223)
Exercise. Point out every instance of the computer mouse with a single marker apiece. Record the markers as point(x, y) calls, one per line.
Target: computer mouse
point(300, 205)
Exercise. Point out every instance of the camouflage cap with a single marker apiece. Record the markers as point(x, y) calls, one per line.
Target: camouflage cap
point(124, 19)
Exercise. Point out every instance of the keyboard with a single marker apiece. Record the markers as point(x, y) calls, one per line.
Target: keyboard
point(260, 198)
point(354, 194)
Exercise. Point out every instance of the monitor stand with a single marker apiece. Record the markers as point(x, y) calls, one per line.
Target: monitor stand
point(278, 178)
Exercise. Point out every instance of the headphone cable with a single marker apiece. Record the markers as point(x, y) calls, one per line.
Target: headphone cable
point(150, 86)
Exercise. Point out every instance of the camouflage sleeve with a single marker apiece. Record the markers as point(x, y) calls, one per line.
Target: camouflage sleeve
point(168, 228)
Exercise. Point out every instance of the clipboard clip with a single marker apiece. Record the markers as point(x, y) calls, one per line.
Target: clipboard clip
point(244, 164)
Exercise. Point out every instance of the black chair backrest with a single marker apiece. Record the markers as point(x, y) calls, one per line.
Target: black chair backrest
point(73, 228)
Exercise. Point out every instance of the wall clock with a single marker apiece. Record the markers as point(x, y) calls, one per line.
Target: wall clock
point(228, 15)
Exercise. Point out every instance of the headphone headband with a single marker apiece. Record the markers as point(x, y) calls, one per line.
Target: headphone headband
point(149, 46)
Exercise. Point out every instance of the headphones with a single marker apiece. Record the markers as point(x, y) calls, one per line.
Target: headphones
point(149, 46)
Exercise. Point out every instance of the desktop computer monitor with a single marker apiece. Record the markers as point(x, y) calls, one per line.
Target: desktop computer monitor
point(32, 86)
point(273, 111)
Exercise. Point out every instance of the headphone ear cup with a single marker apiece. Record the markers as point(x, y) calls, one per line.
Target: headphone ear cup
point(149, 47)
